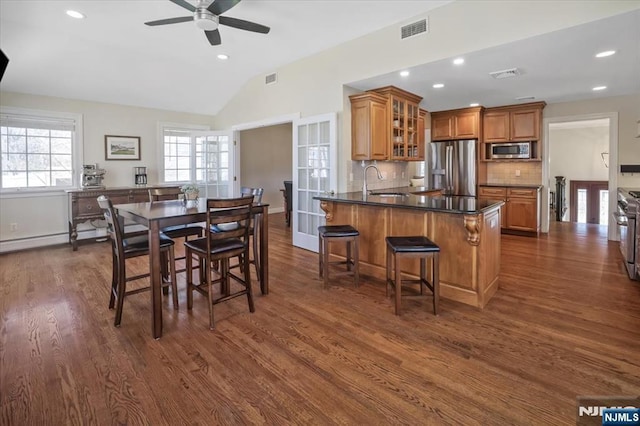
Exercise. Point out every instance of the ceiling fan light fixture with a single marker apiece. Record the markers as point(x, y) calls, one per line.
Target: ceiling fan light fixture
point(205, 20)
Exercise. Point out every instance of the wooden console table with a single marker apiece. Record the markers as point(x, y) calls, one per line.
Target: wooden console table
point(83, 204)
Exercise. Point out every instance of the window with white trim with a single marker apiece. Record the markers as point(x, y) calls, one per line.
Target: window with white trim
point(180, 155)
point(38, 149)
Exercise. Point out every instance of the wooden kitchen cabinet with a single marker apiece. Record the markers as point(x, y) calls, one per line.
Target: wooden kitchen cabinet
point(521, 211)
point(513, 123)
point(492, 193)
point(369, 133)
point(403, 116)
point(422, 125)
point(456, 124)
point(385, 125)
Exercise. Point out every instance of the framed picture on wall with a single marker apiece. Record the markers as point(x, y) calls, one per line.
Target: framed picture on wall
point(121, 147)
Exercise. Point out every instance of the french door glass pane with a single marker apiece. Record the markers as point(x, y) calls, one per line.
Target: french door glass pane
point(582, 206)
point(604, 207)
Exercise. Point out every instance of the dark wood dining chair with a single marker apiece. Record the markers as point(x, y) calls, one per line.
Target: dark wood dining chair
point(176, 231)
point(254, 227)
point(220, 247)
point(126, 248)
point(288, 200)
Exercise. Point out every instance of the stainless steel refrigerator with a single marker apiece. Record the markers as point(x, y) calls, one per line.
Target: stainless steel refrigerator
point(451, 166)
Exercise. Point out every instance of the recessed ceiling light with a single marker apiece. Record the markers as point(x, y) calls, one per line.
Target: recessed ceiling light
point(404, 73)
point(438, 86)
point(474, 104)
point(599, 88)
point(223, 57)
point(605, 53)
point(75, 14)
point(458, 61)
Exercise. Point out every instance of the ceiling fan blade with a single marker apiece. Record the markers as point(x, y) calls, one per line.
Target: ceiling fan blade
point(170, 21)
point(218, 7)
point(243, 25)
point(185, 4)
point(213, 37)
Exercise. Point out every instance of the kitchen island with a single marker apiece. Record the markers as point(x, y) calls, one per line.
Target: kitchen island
point(466, 229)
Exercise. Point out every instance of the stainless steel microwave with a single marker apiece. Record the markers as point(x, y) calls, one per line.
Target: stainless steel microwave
point(511, 150)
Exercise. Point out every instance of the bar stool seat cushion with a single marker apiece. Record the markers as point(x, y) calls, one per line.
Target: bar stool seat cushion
point(338, 231)
point(141, 243)
point(219, 246)
point(412, 244)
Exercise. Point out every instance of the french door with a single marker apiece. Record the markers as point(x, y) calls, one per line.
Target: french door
point(589, 202)
point(214, 163)
point(314, 173)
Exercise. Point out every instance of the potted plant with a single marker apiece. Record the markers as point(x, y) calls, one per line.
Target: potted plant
point(190, 191)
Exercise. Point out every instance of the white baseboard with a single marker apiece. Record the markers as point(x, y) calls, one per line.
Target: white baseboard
point(33, 242)
point(44, 241)
point(56, 239)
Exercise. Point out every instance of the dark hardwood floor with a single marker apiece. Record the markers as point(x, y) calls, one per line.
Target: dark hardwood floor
point(564, 323)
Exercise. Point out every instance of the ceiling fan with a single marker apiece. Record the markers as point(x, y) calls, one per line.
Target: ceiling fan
point(208, 18)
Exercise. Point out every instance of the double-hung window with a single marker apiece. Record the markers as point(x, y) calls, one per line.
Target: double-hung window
point(39, 150)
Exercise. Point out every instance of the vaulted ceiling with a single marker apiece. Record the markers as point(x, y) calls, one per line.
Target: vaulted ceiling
point(111, 56)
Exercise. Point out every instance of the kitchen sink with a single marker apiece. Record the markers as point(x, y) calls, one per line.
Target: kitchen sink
point(389, 194)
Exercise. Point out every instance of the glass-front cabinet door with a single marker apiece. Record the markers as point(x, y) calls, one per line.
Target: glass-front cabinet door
point(398, 128)
point(411, 139)
point(404, 124)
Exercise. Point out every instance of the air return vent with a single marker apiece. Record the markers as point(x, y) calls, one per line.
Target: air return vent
point(513, 72)
point(525, 98)
point(271, 78)
point(414, 29)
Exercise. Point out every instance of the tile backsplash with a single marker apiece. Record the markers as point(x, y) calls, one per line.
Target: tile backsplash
point(395, 172)
point(506, 172)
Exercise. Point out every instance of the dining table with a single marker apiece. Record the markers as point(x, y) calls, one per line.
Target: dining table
point(156, 215)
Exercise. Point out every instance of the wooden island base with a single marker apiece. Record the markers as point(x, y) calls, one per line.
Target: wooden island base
point(469, 244)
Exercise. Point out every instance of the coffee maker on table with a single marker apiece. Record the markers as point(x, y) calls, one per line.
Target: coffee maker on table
point(140, 176)
point(92, 176)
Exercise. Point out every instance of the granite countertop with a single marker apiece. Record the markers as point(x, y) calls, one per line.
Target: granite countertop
point(442, 203)
point(511, 185)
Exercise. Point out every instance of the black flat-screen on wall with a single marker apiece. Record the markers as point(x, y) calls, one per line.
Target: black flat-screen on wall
point(3, 63)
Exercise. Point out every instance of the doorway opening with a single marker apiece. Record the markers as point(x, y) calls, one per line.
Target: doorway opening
point(581, 151)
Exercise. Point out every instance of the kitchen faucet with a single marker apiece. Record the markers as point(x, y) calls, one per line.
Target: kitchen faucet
point(364, 186)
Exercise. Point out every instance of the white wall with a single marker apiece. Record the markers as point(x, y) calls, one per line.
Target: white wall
point(266, 161)
point(315, 85)
point(576, 155)
point(628, 109)
point(46, 216)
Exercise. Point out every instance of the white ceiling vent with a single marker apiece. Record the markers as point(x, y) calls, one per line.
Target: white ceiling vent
point(414, 29)
point(513, 72)
point(525, 98)
point(271, 78)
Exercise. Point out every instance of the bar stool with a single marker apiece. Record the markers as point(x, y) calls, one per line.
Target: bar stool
point(346, 233)
point(412, 247)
